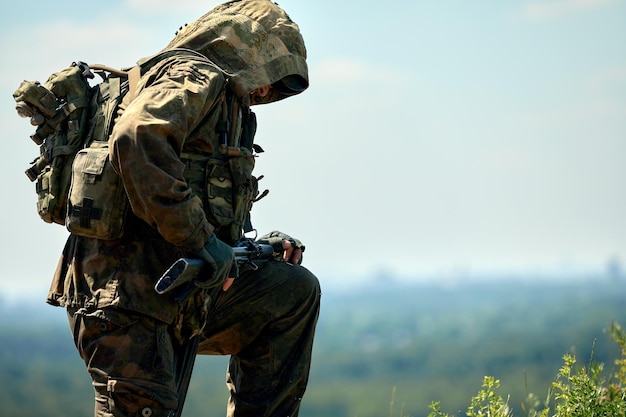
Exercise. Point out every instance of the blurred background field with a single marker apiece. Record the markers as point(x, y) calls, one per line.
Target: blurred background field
point(382, 348)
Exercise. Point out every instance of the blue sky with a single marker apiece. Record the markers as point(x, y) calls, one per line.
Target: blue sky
point(438, 137)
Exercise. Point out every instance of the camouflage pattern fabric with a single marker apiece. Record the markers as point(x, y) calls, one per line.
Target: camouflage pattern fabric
point(254, 41)
point(130, 358)
point(177, 110)
point(266, 322)
point(108, 286)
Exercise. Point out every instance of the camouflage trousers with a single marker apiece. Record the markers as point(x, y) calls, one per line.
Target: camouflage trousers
point(265, 321)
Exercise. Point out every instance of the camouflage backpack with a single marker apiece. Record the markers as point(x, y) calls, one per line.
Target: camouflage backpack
point(71, 116)
point(75, 182)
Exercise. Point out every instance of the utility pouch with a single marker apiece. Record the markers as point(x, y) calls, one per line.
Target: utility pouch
point(227, 189)
point(219, 192)
point(60, 110)
point(245, 191)
point(210, 179)
point(97, 203)
point(52, 175)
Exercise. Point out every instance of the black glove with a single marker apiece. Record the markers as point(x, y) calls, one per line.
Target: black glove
point(276, 238)
point(219, 260)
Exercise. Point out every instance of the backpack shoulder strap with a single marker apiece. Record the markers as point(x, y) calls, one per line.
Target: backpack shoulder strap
point(134, 74)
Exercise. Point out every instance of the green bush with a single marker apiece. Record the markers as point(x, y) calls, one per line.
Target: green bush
point(577, 391)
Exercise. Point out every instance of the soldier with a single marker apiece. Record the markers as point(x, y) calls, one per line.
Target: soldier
point(184, 152)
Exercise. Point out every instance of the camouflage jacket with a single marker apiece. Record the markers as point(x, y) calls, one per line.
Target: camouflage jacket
point(174, 124)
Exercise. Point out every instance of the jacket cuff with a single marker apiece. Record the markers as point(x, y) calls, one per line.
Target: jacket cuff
point(198, 237)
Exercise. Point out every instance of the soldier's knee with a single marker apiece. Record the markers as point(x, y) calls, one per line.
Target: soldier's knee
point(312, 284)
point(306, 285)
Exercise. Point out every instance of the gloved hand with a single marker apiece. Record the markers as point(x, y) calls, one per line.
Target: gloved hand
point(290, 248)
point(219, 261)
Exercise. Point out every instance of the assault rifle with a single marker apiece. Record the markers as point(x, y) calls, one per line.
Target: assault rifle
point(181, 277)
point(184, 271)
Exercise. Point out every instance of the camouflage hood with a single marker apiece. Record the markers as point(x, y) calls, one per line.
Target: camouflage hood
point(255, 43)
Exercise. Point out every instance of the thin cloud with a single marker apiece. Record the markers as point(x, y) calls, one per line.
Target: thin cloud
point(555, 9)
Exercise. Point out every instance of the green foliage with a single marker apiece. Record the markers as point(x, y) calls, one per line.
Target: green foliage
point(579, 391)
point(487, 403)
point(586, 391)
point(619, 336)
